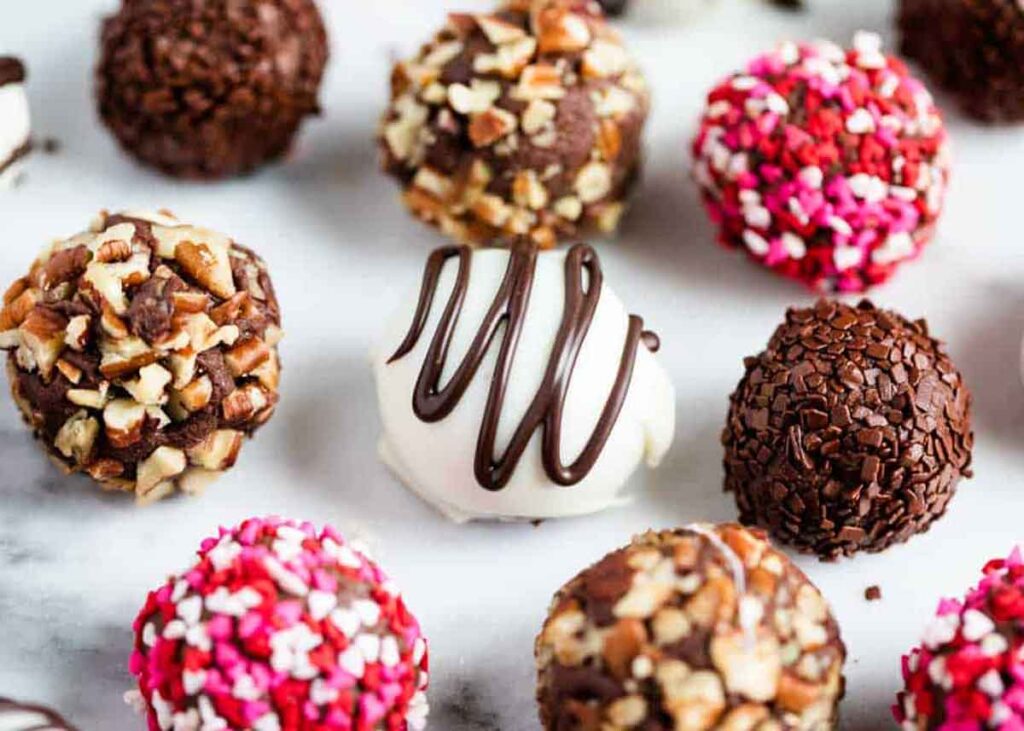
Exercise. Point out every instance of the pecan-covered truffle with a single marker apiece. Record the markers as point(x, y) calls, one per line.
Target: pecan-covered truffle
point(974, 48)
point(849, 432)
point(210, 89)
point(705, 627)
point(143, 352)
point(521, 123)
point(15, 126)
point(826, 165)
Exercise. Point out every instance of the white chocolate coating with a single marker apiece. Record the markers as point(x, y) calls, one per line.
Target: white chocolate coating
point(436, 460)
point(15, 128)
point(653, 12)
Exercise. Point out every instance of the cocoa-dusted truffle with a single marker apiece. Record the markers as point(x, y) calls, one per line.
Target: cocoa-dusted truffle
point(15, 716)
point(521, 123)
point(211, 89)
point(849, 432)
point(698, 628)
point(143, 351)
point(986, 70)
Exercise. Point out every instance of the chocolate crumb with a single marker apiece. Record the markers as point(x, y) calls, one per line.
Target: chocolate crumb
point(873, 593)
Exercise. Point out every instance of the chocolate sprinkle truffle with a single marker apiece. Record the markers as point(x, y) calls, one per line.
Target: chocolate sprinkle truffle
point(15, 716)
point(698, 628)
point(15, 125)
point(143, 351)
point(213, 89)
point(521, 123)
point(849, 432)
point(986, 71)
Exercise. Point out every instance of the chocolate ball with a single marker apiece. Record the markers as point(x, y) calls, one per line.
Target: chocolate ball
point(211, 89)
point(521, 123)
point(986, 71)
point(614, 7)
point(697, 628)
point(968, 671)
point(280, 626)
point(143, 351)
point(825, 165)
point(849, 432)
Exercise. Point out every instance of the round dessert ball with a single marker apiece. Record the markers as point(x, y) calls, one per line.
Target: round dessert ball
point(143, 351)
point(210, 89)
point(278, 626)
point(826, 166)
point(968, 672)
point(521, 123)
point(705, 627)
point(849, 432)
point(15, 716)
point(986, 72)
point(15, 124)
point(495, 410)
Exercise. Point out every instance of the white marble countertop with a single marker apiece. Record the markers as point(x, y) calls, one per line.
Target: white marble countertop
point(76, 564)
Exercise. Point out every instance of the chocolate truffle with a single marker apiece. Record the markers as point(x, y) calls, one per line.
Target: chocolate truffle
point(698, 628)
point(210, 89)
point(278, 626)
point(522, 123)
point(143, 352)
point(15, 126)
point(515, 385)
point(826, 166)
point(15, 716)
point(986, 72)
point(849, 432)
point(968, 672)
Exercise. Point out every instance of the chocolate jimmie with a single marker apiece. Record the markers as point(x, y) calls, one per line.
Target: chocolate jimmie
point(568, 396)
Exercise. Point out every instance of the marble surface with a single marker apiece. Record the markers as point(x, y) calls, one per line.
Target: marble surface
point(75, 564)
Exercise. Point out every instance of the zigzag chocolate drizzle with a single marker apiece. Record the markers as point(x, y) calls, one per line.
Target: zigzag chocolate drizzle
point(432, 401)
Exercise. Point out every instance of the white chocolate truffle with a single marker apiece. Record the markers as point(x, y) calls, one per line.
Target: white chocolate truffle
point(487, 414)
point(15, 127)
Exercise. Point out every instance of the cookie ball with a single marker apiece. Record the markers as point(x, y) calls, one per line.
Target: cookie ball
point(15, 716)
point(280, 626)
point(521, 123)
point(212, 89)
point(495, 410)
point(849, 432)
point(826, 166)
point(698, 628)
point(15, 123)
point(986, 73)
point(968, 672)
point(143, 352)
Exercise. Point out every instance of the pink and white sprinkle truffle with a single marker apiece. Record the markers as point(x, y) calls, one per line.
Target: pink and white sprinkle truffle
point(968, 673)
point(278, 627)
point(828, 166)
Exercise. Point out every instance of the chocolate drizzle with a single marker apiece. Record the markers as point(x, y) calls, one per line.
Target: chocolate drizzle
point(12, 71)
point(30, 718)
point(432, 401)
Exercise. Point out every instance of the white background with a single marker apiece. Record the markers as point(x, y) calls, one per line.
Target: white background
point(75, 565)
